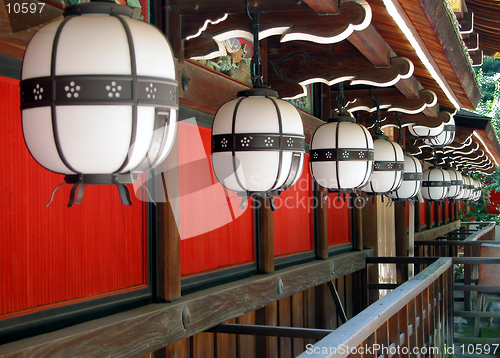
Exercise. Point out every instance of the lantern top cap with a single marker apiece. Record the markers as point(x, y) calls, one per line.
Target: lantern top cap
point(381, 136)
point(258, 92)
point(98, 7)
point(341, 119)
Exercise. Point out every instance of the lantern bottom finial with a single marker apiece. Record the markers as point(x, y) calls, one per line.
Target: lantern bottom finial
point(80, 181)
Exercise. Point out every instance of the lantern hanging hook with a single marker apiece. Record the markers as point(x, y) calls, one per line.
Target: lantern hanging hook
point(378, 130)
point(400, 126)
point(256, 66)
point(340, 100)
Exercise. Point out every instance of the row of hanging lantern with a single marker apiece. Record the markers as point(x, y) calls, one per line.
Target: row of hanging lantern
point(100, 120)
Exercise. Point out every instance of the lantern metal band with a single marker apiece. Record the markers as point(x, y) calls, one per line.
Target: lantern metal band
point(334, 154)
point(457, 182)
point(388, 166)
point(412, 176)
point(93, 89)
point(435, 184)
point(256, 141)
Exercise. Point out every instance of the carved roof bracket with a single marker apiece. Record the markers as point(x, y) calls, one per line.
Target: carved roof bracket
point(203, 37)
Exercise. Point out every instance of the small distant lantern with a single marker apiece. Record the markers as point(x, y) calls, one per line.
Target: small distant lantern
point(388, 167)
point(476, 191)
point(435, 184)
point(257, 144)
point(466, 189)
point(456, 183)
point(412, 180)
point(341, 154)
point(98, 97)
point(446, 137)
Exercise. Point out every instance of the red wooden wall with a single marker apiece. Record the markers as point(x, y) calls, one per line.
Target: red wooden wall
point(215, 231)
point(293, 220)
point(339, 219)
point(55, 255)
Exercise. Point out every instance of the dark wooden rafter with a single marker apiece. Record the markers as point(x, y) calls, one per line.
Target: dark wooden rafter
point(466, 23)
point(353, 15)
point(391, 100)
point(324, 7)
point(295, 64)
point(471, 41)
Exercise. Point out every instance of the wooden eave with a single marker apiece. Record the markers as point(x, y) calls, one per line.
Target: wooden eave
point(486, 24)
point(440, 35)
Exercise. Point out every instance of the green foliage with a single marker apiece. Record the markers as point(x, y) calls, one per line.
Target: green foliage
point(477, 211)
point(488, 77)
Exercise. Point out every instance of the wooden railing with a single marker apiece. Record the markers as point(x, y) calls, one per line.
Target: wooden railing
point(414, 318)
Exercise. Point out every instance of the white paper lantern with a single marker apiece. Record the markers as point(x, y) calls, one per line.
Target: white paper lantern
point(424, 131)
point(412, 179)
point(466, 189)
point(341, 154)
point(388, 167)
point(456, 184)
point(99, 96)
point(257, 144)
point(435, 184)
point(476, 191)
point(446, 137)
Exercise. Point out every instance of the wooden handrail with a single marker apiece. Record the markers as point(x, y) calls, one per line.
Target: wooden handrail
point(358, 329)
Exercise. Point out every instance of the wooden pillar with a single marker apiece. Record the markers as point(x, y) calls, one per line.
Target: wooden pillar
point(168, 246)
point(428, 214)
point(321, 223)
point(437, 207)
point(370, 240)
point(268, 315)
point(417, 218)
point(357, 235)
point(401, 239)
point(265, 235)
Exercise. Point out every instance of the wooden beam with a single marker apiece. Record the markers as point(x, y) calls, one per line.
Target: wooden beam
point(372, 46)
point(431, 234)
point(260, 330)
point(149, 328)
point(324, 7)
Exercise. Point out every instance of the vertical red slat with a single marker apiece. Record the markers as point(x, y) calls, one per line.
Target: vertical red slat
point(339, 219)
point(215, 232)
point(293, 225)
point(59, 254)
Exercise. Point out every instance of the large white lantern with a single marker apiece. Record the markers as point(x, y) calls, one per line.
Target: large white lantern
point(98, 96)
point(388, 167)
point(435, 184)
point(446, 137)
point(412, 180)
point(456, 183)
point(341, 154)
point(257, 144)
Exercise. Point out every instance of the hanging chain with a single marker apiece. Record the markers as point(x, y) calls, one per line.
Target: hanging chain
point(256, 63)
